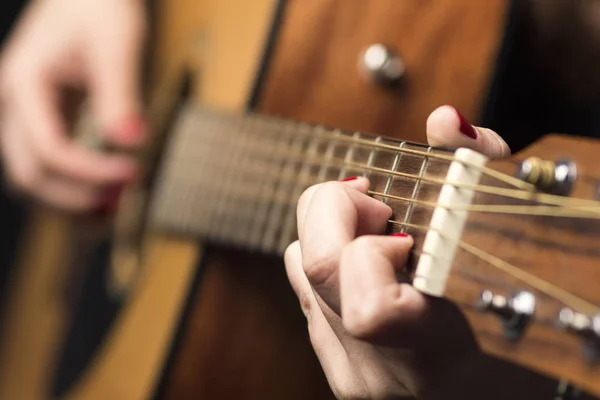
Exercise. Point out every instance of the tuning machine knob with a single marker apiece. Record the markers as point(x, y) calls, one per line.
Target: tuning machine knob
point(382, 65)
point(547, 176)
point(516, 311)
point(566, 391)
point(586, 327)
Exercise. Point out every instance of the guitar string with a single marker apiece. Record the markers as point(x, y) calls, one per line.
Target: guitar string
point(584, 204)
point(553, 291)
point(518, 183)
point(521, 195)
point(531, 210)
point(498, 209)
point(334, 135)
point(325, 133)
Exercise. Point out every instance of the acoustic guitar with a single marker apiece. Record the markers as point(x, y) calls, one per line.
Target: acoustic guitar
point(141, 310)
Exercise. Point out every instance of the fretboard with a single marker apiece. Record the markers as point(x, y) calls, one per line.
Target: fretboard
point(236, 179)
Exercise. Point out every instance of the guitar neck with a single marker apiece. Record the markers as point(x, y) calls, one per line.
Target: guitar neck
point(237, 178)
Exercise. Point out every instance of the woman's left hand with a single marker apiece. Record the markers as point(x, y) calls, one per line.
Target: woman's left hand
point(377, 337)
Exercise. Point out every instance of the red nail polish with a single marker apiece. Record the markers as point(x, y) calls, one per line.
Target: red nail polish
point(465, 127)
point(352, 178)
point(109, 200)
point(399, 234)
point(132, 129)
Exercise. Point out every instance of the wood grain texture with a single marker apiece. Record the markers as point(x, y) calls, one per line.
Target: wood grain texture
point(562, 251)
point(245, 337)
point(449, 47)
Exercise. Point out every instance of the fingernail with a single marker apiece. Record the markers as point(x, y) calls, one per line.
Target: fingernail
point(465, 127)
point(109, 200)
point(352, 178)
point(399, 234)
point(132, 129)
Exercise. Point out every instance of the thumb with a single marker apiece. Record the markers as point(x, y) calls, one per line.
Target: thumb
point(446, 127)
point(115, 80)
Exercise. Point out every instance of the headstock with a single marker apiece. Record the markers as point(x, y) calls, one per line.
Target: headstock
point(530, 284)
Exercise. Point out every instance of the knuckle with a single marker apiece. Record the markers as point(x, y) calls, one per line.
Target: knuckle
point(305, 300)
point(361, 313)
point(51, 150)
point(307, 194)
point(330, 188)
point(363, 245)
point(349, 391)
point(22, 178)
point(320, 265)
point(361, 318)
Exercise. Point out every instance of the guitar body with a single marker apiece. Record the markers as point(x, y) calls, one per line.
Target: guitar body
point(207, 321)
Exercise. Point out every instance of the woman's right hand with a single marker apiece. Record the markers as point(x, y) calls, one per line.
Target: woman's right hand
point(95, 45)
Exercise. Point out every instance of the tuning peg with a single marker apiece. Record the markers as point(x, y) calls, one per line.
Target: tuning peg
point(586, 327)
point(381, 64)
point(566, 391)
point(550, 177)
point(516, 311)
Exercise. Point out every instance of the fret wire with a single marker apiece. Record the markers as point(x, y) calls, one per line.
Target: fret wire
point(234, 226)
point(371, 159)
point(447, 157)
point(218, 227)
point(208, 130)
point(209, 163)
point(239, 226)
point(273, 222)
point(256, 209)
point(417, 187)
point(180, 199)
point(261, 224)
point(187, 121)
point(210, 138)
point(348, 157)
point(290, 220)
point(322, 175)
point(390, 179)
point(266, 182)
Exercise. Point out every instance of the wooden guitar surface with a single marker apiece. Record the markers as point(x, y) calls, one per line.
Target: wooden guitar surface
point(244, 335)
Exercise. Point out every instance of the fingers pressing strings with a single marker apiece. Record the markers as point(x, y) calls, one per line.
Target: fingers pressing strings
point(344, 213)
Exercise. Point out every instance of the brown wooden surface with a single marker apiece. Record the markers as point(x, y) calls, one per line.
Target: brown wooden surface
point(449, 47)
point(562, 251)
point(245, 337)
